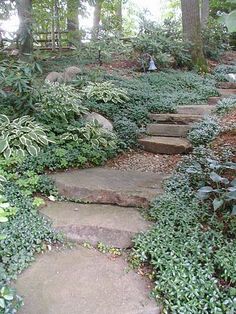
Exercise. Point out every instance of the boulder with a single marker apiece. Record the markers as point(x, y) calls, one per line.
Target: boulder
point(54, 77)
point(70, 73)
point(106, 124)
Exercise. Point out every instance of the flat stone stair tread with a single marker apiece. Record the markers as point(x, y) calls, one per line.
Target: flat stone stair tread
point(227, 85)
point(83, 281)
point(175, 117)
point(109, 186)
point(165, 145)
point(195, 109)
point(112, 225)
point(171, 130)
point(227, 92)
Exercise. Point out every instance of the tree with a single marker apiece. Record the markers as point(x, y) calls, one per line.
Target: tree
point(205, 11)
point(119, 15)
point(97, 17)
point(192, 30)
point(24, 9)
point(73, 15)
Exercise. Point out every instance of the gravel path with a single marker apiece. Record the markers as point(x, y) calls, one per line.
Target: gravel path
point(144, 162)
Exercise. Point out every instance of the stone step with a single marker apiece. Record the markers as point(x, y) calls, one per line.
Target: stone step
point(226, 93)
point(175, 118)
point(227, 85)
point(83, 281)
point(113, 225)
point(109, 186)
point(195, 109)
point(165, 145)
point(168, 130)
point(212, 101)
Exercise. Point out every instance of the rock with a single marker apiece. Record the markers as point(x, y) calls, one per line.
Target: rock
point(174, 118)
point(70, 73)
point(227, 92)
point(54, 77)
point(83, 281)
point(227, 85)
point(109, 186)
point(172, 130)
point(106, 124)
point(195, 109)
point(165, 145)
point(93, 223)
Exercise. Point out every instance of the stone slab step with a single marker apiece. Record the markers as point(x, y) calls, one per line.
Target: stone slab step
point(212, 101)
point(165, 145)
point(83, 281)
point(171, 130)
point(113, 225)
point(175, 118)
point(109, 186)
point(227, 85)
point(227, 92)
point(195, 109)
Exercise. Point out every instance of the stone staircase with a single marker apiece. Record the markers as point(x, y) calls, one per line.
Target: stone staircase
point(167, 133)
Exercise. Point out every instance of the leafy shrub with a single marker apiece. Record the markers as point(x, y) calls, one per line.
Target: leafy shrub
point(127, 132)
point(220, 72)
point(9, 301)
point(105, 92)
point(205, 131)
point(21, 136)
point(59, 106)
point(225, 105)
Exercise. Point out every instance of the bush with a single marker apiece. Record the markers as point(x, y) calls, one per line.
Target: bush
point(205, 131)
point(225, 105)
point(127, 132)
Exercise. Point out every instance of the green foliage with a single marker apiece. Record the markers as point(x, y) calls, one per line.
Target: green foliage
point(59, 105)
point(9, 301)
point(17, 82)
point(20, 136)
point(205, 131)
point(221, 72)
point(225, 105)
point(105, 92)
point(127, 132)
point(220, 190)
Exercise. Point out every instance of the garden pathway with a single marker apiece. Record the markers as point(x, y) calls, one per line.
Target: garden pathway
point(103, 207)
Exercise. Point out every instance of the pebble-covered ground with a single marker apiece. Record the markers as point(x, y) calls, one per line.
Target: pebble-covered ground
point(139, 160)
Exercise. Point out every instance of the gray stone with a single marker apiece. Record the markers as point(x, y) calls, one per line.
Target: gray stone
point(227, 85)
point(175, 118)
point(165, 145)
point(54, 77)
point(212, 101)
point(112, 225)
point(195, 109)
point(109, 186)
point(227, 92)
point(171, 130)
point(70, 73)
point(106, 124)
point(83, 281)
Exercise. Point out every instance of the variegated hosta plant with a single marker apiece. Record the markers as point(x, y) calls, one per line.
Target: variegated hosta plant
point(21, 136)
point(93, 133)
point(105, 92)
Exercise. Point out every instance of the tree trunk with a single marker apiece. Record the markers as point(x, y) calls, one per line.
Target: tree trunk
point(58, 30)
point(24, 9)
point(119, 16)
point(192, 30)
point(205, 11)
point(73, 20)
point(97, 17)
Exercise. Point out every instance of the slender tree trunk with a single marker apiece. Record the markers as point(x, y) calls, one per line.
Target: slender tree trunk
point(53, 28)
point(119, 16)
point(73, 15)
point(97, 17)
point(205, 11)
point(57, 25)
point(192, 30)
point(24, 9)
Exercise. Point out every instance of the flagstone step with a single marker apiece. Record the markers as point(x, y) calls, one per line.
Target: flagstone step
point(175, 118)
point(93, 223)
point(109, 186)
point(165, 145)
point(195, 109)
point(227, 92)
point(171, 130)
point(227, 85)
point(83, 281)
point(212, 101)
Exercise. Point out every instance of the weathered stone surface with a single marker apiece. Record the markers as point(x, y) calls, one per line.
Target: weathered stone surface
point(171, 130)
point(227, 92)
point(175, 118)
point(165, 145)
point(227, 85)
point(70, 73)
point(109, 186)
point(212, 101)
point(195, 109)
point(54, 77)
point(112, 225)
point(106, 124)
point(83, 281)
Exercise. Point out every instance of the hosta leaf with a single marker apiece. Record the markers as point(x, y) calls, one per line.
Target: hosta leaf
point(2, 179)
point(43, 140)
point(3, 219)
point(2, 303)
point(4, 119)
point(3, 144)
point(205, 189)
point(215, 177)
point(7, 153)
point(217, 203)
point(23, 140)
point(32, 150)
point(231, 195)
point(33, 136)
point(234, 211)
point(20, 152)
